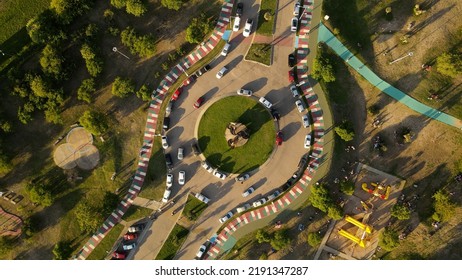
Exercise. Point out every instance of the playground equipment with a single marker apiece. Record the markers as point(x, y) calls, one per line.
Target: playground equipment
point(366, 230)
point(377, 190)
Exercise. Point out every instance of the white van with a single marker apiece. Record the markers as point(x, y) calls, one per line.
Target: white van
point(225, 50)
point(237, 23)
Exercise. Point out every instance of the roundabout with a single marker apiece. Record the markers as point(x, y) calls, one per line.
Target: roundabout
point(250, 151)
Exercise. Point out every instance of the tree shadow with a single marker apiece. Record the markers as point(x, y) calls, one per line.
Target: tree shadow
point(256, 85)
point(290, 130)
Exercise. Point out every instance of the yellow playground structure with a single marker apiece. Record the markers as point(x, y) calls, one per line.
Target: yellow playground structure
point(366, 230)
point(377, 190)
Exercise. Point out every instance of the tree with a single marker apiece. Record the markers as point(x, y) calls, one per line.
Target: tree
point(198, 28)
point(119, 4)
point(347, 187)
point(335, 212)
point(5, 164)
point(323, 68)
point(88, 217)
point(401, 212)
point(44, 28)
point(262, 236)
point(62, 250)
point(280, 239)
point(389, 239)
point(172, 4)
point(110, 202)
point(39, 193)
point(68, 10)
point(52, 113)
point(6, 126)
point(136, 7)
point(93, 61)
point(6, 244)
point(52, 62)
point(144, 93)
point(314, 239)
point(86, 90)
point(345, 131)
point(263, 256)
point(122, 87)
point(142, 45)
point(320, 197)
point(444, 207)
point(449, 64)
point(95, 122)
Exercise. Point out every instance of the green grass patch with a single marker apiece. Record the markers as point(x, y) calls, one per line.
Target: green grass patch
point(154, 183)
point(99, 253)
point(193, 208)
point(265, 27)
point(212, 139)
point(173, 243)
point(260, 53)
point(136, 213)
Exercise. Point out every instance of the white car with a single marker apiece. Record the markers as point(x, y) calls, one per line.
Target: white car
point(237, 23)
point(297, 8)
point(294, 90)
point(221, 72)
point(265, 102)
point(247, 28)
point(243, 177)
point(164, 142)
point(243, 208)
point(169, 180)
point(207, 167)
point(245, 92)
point(259, 202)
point(305, 121)
point(273, 195)
point(167, 194)
point(294, 24)
point(307, 142)
point(128, 247)
point(181, 178)
point(248, 192)
point(202, 198)
point(226, 217)
point(299, 106)
point(225, 50)
point(180, 153)
point(201, 251)
point(219, 175)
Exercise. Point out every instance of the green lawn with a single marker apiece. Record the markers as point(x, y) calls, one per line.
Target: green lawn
point(193, 208)
point(265, 27)
point(99, 253)
point(173, 243)
point(154, 184)
point(260, 53)
point(136, 213)
point(212, 139)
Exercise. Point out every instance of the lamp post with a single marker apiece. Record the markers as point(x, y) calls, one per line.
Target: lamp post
point(403, 57)
point(114, 49)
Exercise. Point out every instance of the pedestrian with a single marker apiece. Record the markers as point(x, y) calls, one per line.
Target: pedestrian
point(299, 213)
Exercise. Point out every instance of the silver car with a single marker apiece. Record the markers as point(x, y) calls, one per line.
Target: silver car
point(243, 208)
point(259, 202)
point(226, 217)
point(248, 192)
point(169, 180)
point(245, 92)
point(201, 251)
point(243, 177)
point(164, 142)
point(299, 106)
point(202, 198)
point(294, 90)
point(180, 153)
point(307, 142)
point(219, 175)
point(207, 167)
point(221, 72)
point(305, 121)
point(265, 102)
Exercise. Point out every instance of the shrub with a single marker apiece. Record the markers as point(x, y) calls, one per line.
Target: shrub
point(262, 236)
point(280, 239)
point(172, 4)
point(95, 122)
point(323, 69)
point(347, 187)
point(449, 64)
point(123, 87)
point(388, 239)
point(142, 45)
point(314, 239)
point(444, 208)
point(401, 212)
point(40, 194)
point(144, 93)
point(136, 7)
point(86, 90)
point(198, 28)
point(345, 131)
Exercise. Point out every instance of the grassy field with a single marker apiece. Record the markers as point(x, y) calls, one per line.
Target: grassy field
point(265, 27)
point(136, 213)
point(99, 253)
point(154, 184)
point(213, 143)
point(193, 208)
point(173, 243)
point(260, 53)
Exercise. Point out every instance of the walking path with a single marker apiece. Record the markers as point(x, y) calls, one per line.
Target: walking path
point(151, 125)
point(327, 37)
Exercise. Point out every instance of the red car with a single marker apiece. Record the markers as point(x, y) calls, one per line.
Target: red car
point(199, 102)
point(279, 138)
point(130, 236)
point(177, 93)
point(119, 256)
point(291, 76)
point(189, 80)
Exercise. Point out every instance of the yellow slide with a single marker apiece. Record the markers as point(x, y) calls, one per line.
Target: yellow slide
point(362, 226)
point(352, 238)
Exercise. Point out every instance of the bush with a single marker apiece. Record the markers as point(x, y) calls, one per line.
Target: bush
point(449, 64)
point(62, 250)
point(263, 256)
point(198, 28)
point(40, 194)
point(172, 4)
point(389, 239)
point(123, 87)
point(444, 208)
point(262, 236)
point(335, 212)
point(144, 93)
point(6, 244)
point(347, 187)
point(345, 131)
point(136, 7)
point(323, 69)
point(44, 28)
point(52, 62)
point(86, 90)
point(401, 212)
point(88, 217)
point(314, 239)
point(280, 239)
point(320, 197)
point(95, 122)
point(93, 61)
point(142, 45)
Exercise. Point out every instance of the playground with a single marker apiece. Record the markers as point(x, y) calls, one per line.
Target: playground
point(367, 212)
point(10, 225)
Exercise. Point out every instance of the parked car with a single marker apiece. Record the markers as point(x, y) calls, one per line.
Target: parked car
point(119, 256)
point(240, 9)
point(279, 138)
point(307, 142)
point(177, 93)
point(129, 246)
point(297, 8)
point(237, 23)
point(226, 217)
point(219, 174)
point(294, 90)
point(302, 162)
point(198, 102)
point(292, 61)
point(294, 24)
point(169, 108)
point(305, 121)
point(136, 228)
point(169, 180)
point(222, 72)
point(201, 251)
point(168, 161)
point(265, 102)
point(291, 76)
point(166, 196)
point(247, 28)
point(259, 202)
point(248, 191)
point(243, 177)
point(207, 167)
point(189, 80)
point(299, 106)
point(180, 153)
point(202, 198)
point(166, 123)
point(199, 73)
point(206, 68)
point(164, 142)
point(225, 50)
point(195, 149)
point(275, 114)
point(130, 236)
point(181, 178)
point(243, 208)
point(244, 92)
point(273, 195)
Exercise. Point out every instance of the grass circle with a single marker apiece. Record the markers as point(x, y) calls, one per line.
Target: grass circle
point(212, 140)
